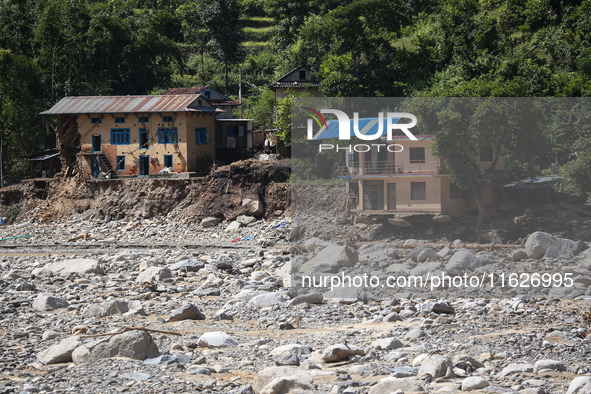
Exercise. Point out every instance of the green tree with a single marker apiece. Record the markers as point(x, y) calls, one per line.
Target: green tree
point(222, 19)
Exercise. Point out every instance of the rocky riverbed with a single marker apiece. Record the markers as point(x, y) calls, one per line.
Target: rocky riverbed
point(207, 307)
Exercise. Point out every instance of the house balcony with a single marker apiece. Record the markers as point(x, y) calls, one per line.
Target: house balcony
point(390, 168)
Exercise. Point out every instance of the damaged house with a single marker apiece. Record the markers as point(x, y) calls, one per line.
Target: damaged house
point(142, 135)
point(404, 177)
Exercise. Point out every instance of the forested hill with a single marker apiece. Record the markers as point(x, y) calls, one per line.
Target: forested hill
point(53, 48)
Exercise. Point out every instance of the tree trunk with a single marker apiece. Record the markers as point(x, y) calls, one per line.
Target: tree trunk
point(482, 214)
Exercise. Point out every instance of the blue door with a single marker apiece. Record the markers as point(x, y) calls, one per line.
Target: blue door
point(95, 167)
point(144, 165)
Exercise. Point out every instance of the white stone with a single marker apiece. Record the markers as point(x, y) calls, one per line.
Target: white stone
point(474, 383)
point(66, 267)
point(292, 348)
point(393, 385)
point(341, 352)
point(386, 344)
point(515, 368)
point(133, 344)
point(216, 339)
point(550, 365)
point(277, 380)
point(44, 302)
point(60, 353)
point(580, 385)
point(266, 299)
point(436, 365)
point(233, 226)
point(154, 274)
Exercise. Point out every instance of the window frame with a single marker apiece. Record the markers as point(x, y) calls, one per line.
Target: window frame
point(119, 162)
point(171, 161)
point(96, 120)
point(414, 192)
point(147, 131)
point(117, 119)
point(120, 136)
point(164, 131)
point(202, 136)
point(165, 118)
point(415, 150)
point(140, 119)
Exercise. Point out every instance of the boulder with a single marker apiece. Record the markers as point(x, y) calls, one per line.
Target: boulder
point(233, 226)
point(580, 385)
point(187, 265)
point(266, 299)
point(154, 274)
point(277, 380)
point(186, 312)
point(245, 220)
point(549, 365)
point(59, 353)
point(518, 255)
point(253, 207)
point(114, 307)
point(386, 344)
point(45, 302)
point(211, 221)
point(67, 267)
point(462, 260)
point(133, 344)
point(216, 339)
point(292, 348)
point(540, 244)
point(341, 352)
point(330, 260)
point(392, 385)
point(474, 383)
point(515, 368)
point(437, 366)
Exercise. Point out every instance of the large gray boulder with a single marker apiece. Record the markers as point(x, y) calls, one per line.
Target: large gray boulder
point(540, 244)
point(330, 260)
point(186, 312)
point(59, 353)
point(67, 267)
point(437, 366)
point(133, 344)
point(44, 302)
point(154, 274)
point(266, 299)
point(341, 352)
point(392, 385)
point(462, 260)
point(276, 380)
point(580, 385)
point(114, 307)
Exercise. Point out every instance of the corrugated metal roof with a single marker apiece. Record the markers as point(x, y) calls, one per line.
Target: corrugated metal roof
point(126, 104)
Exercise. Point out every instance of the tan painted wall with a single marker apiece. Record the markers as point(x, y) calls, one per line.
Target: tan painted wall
point(432, 203)
point(449, 205)
point(402, 159)
point(182, 152)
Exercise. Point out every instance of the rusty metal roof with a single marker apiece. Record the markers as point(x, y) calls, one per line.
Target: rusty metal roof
point(128, 104)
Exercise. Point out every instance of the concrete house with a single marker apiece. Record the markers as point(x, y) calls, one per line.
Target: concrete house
point(135, 135)
point(298, 81)
point(404, 177)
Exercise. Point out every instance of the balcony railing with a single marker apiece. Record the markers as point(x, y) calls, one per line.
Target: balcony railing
point(389, 168)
